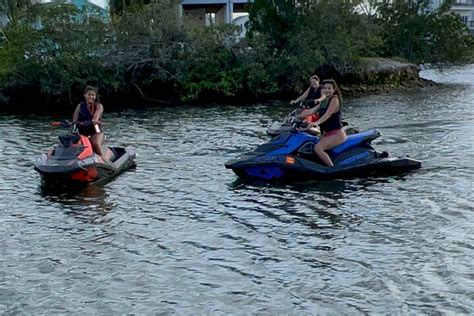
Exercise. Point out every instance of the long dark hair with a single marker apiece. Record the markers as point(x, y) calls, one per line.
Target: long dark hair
point(337, 91)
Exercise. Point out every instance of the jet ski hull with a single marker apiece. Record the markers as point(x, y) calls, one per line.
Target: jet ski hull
point(302, 169)
point(60, 166)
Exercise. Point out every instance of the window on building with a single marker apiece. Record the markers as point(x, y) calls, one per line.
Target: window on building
point(210, 18)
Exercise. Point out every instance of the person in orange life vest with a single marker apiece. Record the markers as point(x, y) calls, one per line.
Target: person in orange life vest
point(88, 114)
point(314, 94)
point(329, 122)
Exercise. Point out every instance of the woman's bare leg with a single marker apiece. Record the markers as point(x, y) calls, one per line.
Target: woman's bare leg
point(329, 142)
point(97, 142)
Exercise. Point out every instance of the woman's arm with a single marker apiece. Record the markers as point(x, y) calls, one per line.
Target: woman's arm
point(333, 108)
point(98, 113)
point(320, 99)
point(305, 113)
point(301, 97)
point(75, 116)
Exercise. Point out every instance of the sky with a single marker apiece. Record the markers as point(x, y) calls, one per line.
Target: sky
point(102, 3)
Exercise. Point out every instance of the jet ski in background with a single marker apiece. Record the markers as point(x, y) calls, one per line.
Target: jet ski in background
point(290, 122)
point(290, 156)
point(74, 161)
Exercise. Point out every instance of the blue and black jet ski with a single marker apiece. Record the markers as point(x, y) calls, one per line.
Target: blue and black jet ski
point(290, 156)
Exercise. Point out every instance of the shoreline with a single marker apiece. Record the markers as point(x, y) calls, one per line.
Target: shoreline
point(383, 75)
point(347, 90)
point(374, 76)
point(360, 90)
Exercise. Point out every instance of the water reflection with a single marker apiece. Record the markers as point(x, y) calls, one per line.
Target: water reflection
point(86, 202)
point(318, 206)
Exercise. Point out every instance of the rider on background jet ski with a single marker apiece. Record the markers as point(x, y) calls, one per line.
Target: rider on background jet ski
point(88, 116)
point(329, 122)
point(314, 94)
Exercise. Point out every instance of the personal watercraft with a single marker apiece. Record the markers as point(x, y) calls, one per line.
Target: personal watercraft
point(74, 161)
point(289, 123)
point(290, 156)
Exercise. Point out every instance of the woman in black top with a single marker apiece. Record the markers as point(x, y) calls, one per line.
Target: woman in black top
point(329, 121)
point(88, 114)
point(312, 93)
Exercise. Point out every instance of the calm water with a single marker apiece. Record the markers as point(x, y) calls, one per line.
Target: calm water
point(181, 235)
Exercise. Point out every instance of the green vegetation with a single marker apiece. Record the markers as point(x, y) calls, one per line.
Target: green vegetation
point(49, 52)
point(433, 37)
point(49, 56)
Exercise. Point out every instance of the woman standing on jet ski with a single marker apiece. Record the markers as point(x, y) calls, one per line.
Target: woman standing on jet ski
point(329, 122)
point(88, 115)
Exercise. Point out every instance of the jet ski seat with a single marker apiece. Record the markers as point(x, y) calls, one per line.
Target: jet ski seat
point(356, 139)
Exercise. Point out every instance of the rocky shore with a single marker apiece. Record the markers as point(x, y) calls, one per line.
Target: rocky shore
point(381, 75)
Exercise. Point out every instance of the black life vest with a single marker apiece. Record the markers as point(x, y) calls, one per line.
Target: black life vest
point(84, 113)
point(334, 121)
point(87, 128)
point(313, 93)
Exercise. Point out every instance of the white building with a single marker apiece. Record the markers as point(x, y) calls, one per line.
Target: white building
point(241, 22)
point(208, 12)
point(465, 10)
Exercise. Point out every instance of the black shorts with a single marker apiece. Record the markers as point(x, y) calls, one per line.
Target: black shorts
point(90, 129)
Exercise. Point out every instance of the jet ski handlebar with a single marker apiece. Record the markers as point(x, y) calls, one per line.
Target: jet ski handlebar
point(301, 103)
point(305, 104)
point(73, 125)
point(299, 125)
point(63, 124)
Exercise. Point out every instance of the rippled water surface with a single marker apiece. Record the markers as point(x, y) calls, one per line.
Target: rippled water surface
point(181, 235)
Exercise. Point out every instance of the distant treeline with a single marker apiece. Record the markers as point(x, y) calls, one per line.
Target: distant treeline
point(146, 55)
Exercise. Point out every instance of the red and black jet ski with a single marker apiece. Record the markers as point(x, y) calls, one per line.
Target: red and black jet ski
point(74, 161)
